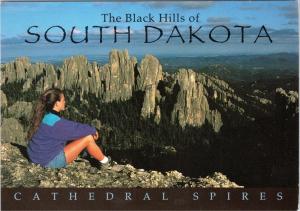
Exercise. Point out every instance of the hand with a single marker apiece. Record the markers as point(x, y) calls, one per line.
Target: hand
point(96, 136)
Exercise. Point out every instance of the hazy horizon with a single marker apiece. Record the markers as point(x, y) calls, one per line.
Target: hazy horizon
point(105, 58)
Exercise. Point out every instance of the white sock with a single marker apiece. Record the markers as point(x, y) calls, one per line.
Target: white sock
point(104, 160)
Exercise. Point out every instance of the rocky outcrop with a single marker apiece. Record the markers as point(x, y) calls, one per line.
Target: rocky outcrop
point(217, 180)
point(22, 70)
point(15, 71)
point(77, 73)
point(191, 107)
point(49, 79)
point(260, 100)
point(74, 73)
point(112, 82)
point(20, 109)
point(194, 93)
point(287, 102)
point(214, 119)
point(117, 77)
point(3, 100)
point(12, 131)
point(149, 73)
point(27, 85)
point(220, 91)
point(157, 116)
point(16, 171)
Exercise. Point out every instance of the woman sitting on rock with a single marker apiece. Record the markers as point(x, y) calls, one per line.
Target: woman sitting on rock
point(50, 132)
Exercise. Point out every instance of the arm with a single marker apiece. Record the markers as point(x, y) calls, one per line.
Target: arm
point(69, 130)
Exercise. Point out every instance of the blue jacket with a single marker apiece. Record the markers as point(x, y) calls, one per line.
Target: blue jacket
point(52, 135)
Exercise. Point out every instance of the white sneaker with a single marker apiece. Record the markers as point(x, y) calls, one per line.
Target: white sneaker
point(106, 161)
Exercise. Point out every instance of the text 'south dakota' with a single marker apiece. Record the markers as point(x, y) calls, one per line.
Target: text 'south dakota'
point(149, 33)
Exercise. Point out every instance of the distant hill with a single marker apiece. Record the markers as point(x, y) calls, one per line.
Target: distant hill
point(243, 67)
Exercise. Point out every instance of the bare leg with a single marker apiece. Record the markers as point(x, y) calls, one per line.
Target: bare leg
point(73, 149)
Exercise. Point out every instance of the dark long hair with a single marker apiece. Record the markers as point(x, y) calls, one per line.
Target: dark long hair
point(45, 103)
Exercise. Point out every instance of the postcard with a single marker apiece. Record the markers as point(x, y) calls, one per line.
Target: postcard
point(149, 105)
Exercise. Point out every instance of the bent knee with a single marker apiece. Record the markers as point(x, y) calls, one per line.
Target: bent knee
point(89, 138)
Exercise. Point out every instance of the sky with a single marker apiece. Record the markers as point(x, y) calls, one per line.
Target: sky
point(279, 17)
